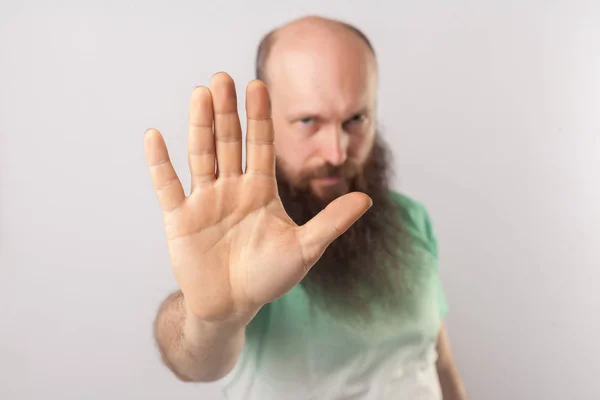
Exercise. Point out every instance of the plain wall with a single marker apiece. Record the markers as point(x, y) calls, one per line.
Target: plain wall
point(493, 113)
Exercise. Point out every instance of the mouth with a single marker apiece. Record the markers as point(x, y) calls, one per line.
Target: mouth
point(328, 180)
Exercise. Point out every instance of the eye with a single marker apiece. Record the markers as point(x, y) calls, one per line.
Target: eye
point(307, 121)
point(357, 118)
point(307, 125)
point(354, 123)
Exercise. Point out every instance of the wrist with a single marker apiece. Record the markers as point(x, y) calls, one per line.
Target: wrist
point(195, 326)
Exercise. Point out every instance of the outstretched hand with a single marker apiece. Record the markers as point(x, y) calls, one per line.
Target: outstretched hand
point(232, 246)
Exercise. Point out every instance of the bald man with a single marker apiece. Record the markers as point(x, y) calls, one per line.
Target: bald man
point(302, 275)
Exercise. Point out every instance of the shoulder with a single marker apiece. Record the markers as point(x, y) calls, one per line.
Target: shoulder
point(416, 220)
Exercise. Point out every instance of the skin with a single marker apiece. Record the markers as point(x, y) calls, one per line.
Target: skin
point(323, 89)
point(226, 238)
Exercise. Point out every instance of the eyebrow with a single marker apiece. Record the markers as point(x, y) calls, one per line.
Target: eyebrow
point(294, 117)
point(361, 111)
point(298, 116)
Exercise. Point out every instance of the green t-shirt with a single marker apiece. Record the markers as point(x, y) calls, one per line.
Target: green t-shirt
point(294, 350)
point(419, 224)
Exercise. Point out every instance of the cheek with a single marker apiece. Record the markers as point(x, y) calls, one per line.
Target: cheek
point(291, 153)
point(360, 146)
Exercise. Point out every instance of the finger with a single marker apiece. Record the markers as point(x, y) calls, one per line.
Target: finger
point(228, 132)
point(260, 149)
point(164, 179)
point(330, 223)
point(201, 146)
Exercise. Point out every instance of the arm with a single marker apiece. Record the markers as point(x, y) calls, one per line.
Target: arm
point(194, 350)
point(226, 238)
point(450, 380)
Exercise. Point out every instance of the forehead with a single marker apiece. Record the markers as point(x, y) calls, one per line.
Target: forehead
point(322, 75)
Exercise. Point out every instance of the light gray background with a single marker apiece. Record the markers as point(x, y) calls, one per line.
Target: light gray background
point(492, 109)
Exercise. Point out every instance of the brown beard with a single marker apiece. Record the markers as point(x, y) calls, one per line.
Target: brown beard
point(363, 266)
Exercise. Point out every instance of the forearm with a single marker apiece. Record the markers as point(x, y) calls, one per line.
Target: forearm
point(194, 350)
point(451, 383)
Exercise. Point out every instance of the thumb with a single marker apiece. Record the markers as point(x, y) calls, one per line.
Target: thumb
point(330, 223)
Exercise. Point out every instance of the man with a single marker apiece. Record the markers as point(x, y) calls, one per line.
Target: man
point(303, 276)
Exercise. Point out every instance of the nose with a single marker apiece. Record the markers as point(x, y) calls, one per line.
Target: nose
point(334, 147)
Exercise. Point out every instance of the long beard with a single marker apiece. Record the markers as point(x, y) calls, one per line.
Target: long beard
point(363, 267)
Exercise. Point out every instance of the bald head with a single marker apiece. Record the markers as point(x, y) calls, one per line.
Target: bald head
point(313, 32)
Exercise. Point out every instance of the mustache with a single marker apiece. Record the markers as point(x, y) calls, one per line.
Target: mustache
point(347, 170)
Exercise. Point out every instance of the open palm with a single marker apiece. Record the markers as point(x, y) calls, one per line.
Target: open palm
point(233, 248)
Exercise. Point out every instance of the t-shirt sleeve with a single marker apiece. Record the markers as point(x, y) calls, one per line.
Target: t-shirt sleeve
point(419, 223)
point(433, 245)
